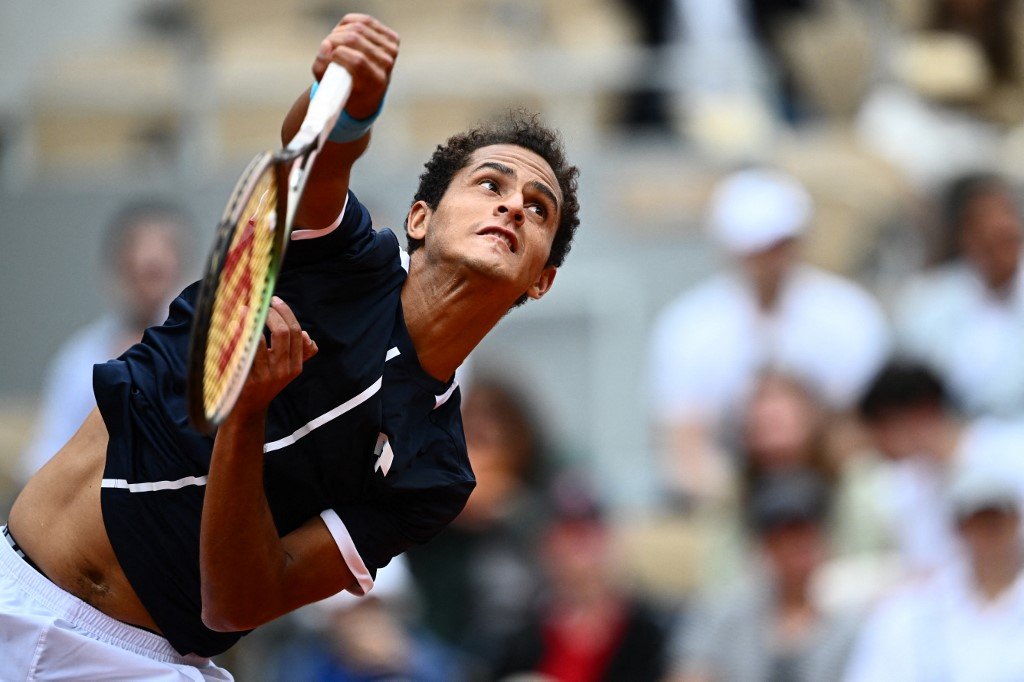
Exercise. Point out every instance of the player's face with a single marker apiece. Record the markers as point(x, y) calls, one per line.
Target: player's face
point(497, 219)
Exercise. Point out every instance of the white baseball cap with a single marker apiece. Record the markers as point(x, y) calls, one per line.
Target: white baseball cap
point(755, 209)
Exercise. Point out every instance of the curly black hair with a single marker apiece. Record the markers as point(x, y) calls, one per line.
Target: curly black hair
point(523, 130)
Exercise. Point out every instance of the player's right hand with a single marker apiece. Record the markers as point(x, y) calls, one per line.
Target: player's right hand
point(368, 50)
point(276, 365)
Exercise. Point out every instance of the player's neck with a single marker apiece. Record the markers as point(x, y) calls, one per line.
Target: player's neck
point(446, 320)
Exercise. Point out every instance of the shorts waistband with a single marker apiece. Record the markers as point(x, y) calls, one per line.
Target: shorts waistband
point(17, 549)
point(75, 611)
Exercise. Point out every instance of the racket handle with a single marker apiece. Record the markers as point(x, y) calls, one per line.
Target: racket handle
point(325, 107)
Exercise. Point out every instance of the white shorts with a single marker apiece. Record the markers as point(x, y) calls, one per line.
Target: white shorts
point(49, 634)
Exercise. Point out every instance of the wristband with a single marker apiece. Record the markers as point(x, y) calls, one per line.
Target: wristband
point(346, 128)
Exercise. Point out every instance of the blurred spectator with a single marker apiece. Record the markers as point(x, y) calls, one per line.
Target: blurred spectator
point(783, 430)
point(359, 639)
point(728, 86)
point(478, 578)
point(955, 86)
point(772, 312)
point(143, 253)
point(994, 29)
point(966, 622)
point(648, 108)
point(966, 317)
point(772, 628)
point(768, 18)
point(912, 421)
point(589, 628)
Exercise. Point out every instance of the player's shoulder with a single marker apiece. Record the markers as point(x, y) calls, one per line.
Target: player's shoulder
point(351, 243)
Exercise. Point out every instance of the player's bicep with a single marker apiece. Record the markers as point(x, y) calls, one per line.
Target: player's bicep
point(346, 240)
point(315, 566)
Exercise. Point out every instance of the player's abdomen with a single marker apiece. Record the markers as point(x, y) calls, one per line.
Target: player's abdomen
point(58, 522)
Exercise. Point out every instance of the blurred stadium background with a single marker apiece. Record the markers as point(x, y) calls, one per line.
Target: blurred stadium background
point(108, 100)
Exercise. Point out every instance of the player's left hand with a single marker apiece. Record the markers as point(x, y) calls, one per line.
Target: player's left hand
point(276, 365)
point(368, 50)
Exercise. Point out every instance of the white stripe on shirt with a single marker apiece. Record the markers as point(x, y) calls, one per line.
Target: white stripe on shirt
point(346, 406)
point(154, 486)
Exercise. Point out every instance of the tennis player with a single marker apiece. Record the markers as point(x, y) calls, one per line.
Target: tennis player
point(144, 548)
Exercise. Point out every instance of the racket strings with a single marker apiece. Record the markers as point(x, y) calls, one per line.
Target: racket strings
point(240, 293)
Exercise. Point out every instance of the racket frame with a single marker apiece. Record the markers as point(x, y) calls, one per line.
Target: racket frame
point(291, 167)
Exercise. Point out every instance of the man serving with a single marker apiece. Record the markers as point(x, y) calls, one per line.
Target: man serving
point(143, 547)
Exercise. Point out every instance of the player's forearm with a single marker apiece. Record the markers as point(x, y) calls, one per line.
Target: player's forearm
point(242, 561)
point(324, 196)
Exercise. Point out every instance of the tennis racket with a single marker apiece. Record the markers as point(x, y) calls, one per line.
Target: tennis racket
point(242, 267)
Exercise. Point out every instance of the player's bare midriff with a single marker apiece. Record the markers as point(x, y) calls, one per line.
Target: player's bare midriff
point(58, 522)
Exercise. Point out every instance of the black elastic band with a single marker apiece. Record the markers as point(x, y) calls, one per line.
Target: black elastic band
point(17, 548)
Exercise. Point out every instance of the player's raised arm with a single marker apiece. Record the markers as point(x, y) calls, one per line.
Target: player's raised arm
point(367, 49)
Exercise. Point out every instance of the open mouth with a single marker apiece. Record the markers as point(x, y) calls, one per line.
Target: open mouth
point(504, 234)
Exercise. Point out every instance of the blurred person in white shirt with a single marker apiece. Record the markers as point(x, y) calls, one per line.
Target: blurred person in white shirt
point(966, 317)
point(769, 311)
point(143, 253)
point(966, 623)
point(913, 422)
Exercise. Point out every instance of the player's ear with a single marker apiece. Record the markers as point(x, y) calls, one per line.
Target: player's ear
point(418, 219)
point(543, 283)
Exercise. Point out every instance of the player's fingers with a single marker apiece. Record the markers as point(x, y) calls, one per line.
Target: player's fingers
point(360, 66)
point(323, 58)
point(377, 32)
point(309, 348)
point(259, 361)
point(285, 311)
point(378, 54)
point(381, 46)
point(371, 22)
point(386, 42)
point(295, 343)
point(280, 335)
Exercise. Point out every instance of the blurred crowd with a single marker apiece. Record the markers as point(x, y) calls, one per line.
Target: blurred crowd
point(840, 455)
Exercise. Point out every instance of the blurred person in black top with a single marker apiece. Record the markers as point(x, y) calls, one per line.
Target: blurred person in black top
point(478, 579)
point(589, 626)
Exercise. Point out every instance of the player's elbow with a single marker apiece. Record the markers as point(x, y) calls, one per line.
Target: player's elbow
point(218, 621)
point(221, 619)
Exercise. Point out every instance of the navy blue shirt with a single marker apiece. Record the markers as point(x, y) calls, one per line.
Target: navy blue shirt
point(363, 437)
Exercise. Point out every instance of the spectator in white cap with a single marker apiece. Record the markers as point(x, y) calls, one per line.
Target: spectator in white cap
point(966, 623)
point(768, 311)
